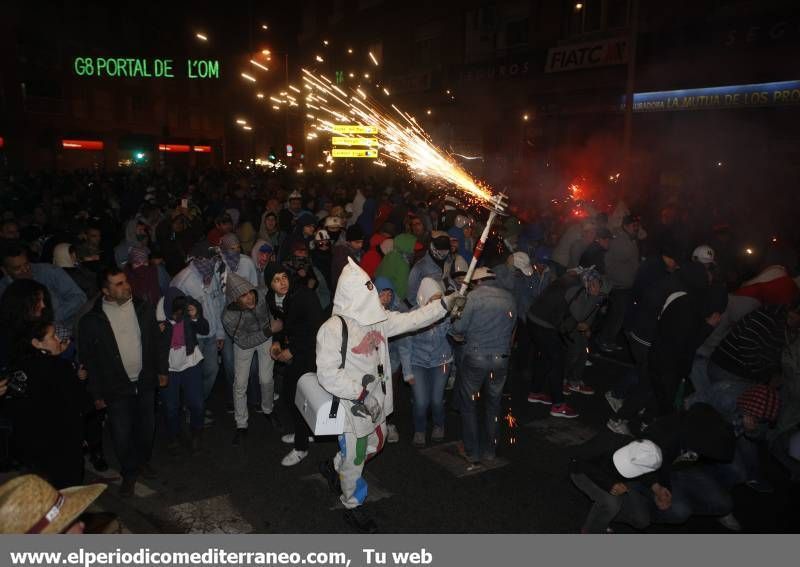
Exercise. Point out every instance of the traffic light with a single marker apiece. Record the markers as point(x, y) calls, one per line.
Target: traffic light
point(273, 156)
point(139, 156)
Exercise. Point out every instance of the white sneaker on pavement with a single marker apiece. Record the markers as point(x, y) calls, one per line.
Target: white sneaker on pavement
point(289, 438)
point(729, 521)
point(293, 457)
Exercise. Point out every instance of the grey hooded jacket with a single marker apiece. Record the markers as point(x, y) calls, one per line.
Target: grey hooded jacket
point(247, 327)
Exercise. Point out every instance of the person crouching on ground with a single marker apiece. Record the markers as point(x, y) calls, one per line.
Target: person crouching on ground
point(602, 468)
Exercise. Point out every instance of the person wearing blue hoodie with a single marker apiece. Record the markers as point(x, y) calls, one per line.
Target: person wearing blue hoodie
point(399, 349)
point(431, 357)
point(181, 320)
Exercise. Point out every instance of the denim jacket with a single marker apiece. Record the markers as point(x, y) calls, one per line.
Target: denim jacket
point(430, 347)
point(488, 321)
point(426, 267)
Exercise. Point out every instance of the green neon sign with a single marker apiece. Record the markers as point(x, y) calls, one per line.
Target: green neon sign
point(134, 68)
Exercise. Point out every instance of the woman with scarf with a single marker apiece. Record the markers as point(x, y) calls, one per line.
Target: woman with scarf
point(137, 233)
point(149, 281)
point(181, 321)
point(235, 261)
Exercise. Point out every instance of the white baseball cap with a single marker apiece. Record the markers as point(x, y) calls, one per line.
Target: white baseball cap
point(637, 458)
point(523, 263)
point(703, 254)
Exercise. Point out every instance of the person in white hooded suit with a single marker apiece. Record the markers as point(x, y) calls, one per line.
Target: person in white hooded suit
point(363, 382)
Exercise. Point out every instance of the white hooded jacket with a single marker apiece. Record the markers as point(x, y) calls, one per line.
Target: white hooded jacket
point(369, 326)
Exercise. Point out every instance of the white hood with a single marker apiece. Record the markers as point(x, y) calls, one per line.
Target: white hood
point(62, 257)
point(428, 287)
point(357, 298)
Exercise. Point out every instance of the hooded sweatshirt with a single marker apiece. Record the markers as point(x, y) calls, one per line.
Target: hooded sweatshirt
point(430, 347)
point(179, 337)
point(369, 326)
point(395, 265)
point(248, 327)
point(372, 258)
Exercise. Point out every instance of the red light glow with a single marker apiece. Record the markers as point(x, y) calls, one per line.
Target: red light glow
point(94, 145)
point(173, 148)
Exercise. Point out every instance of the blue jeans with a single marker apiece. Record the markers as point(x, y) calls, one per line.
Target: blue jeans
point(428, 391)
point(190, 381)
point(695, 492)
point(485, 372)
point(132, 422)
point(208, 346)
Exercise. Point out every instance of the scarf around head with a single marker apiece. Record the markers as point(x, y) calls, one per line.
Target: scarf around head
point(206, 268)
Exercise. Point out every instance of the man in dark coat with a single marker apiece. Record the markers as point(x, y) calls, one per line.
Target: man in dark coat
point(119, 340)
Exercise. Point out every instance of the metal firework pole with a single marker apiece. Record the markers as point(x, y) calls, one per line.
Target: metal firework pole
point(497, 206)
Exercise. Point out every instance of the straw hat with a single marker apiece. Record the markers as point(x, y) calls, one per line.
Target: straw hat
point(28, 504)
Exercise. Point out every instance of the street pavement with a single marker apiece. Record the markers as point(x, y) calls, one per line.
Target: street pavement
point(244, 489)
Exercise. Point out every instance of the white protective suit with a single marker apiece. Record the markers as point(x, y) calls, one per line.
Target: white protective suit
point(369, 326)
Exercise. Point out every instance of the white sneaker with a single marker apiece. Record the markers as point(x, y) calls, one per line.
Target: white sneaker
point(619, 426)
point(730, 522)
point(293, 457)
point(615, 403)
point(289, 438)
point(392, 435)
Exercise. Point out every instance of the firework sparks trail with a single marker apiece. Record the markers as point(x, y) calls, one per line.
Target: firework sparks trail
point(402, 141)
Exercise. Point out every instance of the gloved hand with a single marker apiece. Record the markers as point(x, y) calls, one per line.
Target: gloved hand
point(367, 380)
point(370, 407)
point(454, 301)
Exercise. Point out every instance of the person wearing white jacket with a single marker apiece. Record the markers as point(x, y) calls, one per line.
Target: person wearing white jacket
point(363, 380)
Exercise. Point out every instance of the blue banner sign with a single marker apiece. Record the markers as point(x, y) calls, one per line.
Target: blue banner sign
point(734, 96)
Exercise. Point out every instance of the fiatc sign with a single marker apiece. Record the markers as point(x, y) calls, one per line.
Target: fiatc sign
point(586, 55)
point(135, 67)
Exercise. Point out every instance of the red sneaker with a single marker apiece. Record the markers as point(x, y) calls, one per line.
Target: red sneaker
point(534, 398)
point(563, 410)
point(581, 388)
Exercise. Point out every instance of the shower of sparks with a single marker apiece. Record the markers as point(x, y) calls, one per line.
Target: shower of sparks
point(399, 136)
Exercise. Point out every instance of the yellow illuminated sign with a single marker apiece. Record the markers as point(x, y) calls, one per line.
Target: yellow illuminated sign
point(343, 141)
point(354, 129)
point(344, 153)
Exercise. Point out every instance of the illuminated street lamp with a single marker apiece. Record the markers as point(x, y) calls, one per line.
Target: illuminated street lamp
point(259, 65)
point(248, 77)
point(525, 117)
point(201, 36)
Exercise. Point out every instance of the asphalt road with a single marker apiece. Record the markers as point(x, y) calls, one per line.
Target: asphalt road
point(246, 490)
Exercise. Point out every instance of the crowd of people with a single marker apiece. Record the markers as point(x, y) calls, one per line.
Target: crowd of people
point(126, 296)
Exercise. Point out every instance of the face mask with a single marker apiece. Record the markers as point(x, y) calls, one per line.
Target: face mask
point(439, 254)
